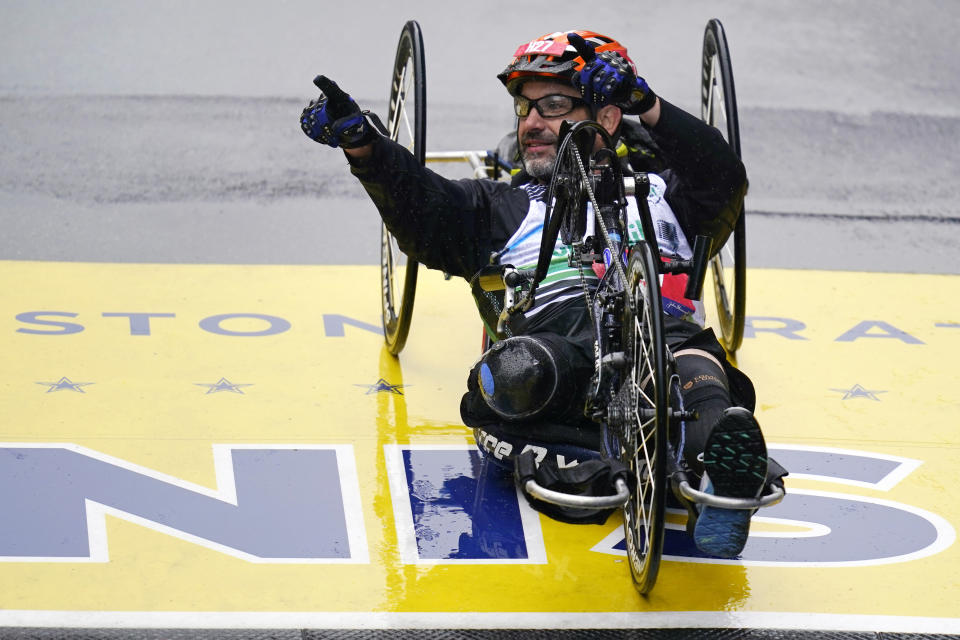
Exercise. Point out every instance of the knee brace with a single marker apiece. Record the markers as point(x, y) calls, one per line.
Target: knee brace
point(702, 379)
point(519, 378)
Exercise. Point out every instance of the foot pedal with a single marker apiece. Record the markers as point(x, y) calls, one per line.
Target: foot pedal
point(735, 465)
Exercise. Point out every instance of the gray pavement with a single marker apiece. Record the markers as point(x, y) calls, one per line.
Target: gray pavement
point(161, 132)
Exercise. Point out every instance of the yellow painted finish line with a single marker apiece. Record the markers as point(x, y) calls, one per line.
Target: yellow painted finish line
point(203, 438)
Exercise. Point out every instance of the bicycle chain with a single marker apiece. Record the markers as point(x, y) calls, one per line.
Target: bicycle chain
point(596, 214)
point(598, 363)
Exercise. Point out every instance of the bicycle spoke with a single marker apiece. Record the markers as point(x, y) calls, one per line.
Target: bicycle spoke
point(406, 116)
point(711, 91)
point(720, 288)
point(391, 264)
point(717, 102)
point(397, 106)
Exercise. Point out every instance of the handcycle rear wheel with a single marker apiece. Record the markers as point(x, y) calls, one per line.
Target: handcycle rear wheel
point(406, 124)
point(719, 109)
point(644, 435)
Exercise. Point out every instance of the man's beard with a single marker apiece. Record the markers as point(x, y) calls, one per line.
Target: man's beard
point(539, 165)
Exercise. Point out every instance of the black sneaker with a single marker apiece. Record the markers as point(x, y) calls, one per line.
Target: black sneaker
point(735, 466)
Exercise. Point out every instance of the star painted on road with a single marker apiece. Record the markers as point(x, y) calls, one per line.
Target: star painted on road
point(382, 386)
point(223, 385)
point(65, 384)
point(857, 391)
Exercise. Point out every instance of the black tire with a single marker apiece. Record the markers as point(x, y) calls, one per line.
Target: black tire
point(406, 124)
point(644, 434)
point(718, 108)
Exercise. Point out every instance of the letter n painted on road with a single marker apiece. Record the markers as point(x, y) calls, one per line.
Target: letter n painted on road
point(280, 504)
point(334, 324)
point(452, 505)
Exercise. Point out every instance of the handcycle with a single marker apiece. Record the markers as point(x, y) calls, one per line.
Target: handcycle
point(634, 393)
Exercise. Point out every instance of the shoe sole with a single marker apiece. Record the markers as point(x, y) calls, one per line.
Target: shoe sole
point(735, 458)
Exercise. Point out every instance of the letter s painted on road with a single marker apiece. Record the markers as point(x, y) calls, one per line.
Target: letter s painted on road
point(834, 528)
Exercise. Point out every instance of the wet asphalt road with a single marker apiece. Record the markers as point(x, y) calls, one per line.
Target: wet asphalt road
point(132, 132)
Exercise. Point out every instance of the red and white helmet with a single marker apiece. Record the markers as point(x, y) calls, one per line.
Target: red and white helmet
point(553, 57)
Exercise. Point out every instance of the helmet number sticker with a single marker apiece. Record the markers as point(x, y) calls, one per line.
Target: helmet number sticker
point(541, 47)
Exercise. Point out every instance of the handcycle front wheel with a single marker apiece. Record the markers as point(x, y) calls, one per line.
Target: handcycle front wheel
point(407, 125)
point(718, 109)
point(644, 432)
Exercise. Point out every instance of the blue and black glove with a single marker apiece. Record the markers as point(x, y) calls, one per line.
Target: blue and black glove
point(334, 119)
point(607, 78)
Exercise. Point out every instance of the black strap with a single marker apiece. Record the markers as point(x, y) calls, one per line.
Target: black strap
point(377, 122)
point(589, 478)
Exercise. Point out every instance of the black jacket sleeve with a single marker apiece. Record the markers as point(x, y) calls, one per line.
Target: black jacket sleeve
point(706, 181)
point(450, 225)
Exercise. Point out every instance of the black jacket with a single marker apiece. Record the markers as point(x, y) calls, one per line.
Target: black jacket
point(454, 225)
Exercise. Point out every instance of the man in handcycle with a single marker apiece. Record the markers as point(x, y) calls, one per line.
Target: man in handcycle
point(529, 389)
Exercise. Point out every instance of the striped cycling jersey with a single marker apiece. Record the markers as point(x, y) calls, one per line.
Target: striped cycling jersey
point(563, 282)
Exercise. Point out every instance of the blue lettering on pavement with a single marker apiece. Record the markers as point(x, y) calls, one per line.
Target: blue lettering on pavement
point(139, 322)
point(842, 529)
point(274, 326)
point(283, 504)
point(462, 507)
point(333, 325)
point(35, 317)
point(865, 330)
point(277, 504)
point(785, 327)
